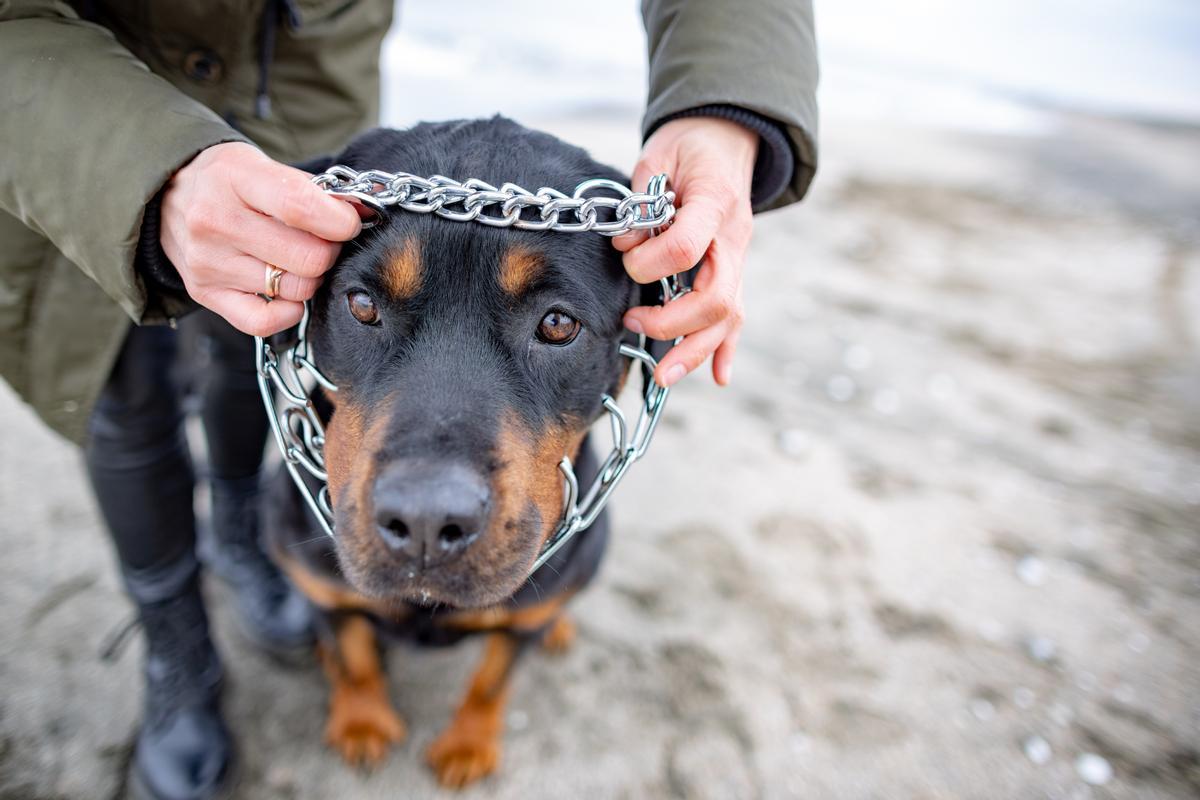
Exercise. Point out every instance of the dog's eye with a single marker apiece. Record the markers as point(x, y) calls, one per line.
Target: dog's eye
point(558, 328)
point(362, 308)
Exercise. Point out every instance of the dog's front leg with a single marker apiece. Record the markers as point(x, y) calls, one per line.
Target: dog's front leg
point(362, 723)
point(469, 748)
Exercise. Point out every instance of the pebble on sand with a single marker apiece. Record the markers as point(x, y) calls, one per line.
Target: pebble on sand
point(841, 388)
point(983, 710)
point(1031, 570)
point(857, 357)
point(886, 401)
point(941, 387)
point(1041, 649)
point(795, 443)
point(1024, 697)
point(1037, 750)
point(1093, 769)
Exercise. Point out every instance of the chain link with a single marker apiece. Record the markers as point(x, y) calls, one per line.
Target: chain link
point(287, 392)
point(510, 206)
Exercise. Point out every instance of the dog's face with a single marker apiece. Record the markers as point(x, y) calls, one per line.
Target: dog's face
point(470, 360)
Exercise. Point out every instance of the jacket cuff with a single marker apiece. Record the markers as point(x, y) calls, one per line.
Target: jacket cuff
point(775, 165)
point(166, 295)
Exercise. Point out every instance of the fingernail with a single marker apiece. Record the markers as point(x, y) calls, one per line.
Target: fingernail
point(726, 374)
point(632, 324)
point(673, 374)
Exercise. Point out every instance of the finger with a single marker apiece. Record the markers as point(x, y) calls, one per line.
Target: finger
point(682, 245)
point(294, 250)
point(723, 359)
point(689, 354)
point(714, 299)
point(645, 170)
point(289, 196)
point(253, 315)
point(638, 182)
point(693, 312)
point(249, 274)
point(630, 239)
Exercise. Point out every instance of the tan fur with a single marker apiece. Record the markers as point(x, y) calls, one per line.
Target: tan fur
point(529, 468)
point(402, 270)
point(469, 748)
point(527, 619)
point(362, 723)
point(327, 594)
point(518, 270)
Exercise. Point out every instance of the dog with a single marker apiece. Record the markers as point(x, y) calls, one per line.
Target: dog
point(469, 361)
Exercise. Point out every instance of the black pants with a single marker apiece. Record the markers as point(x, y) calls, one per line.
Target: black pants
point(137, 455)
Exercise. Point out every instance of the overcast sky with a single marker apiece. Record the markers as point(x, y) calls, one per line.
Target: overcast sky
point(982, 64)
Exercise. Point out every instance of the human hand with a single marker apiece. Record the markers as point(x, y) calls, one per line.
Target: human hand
point(710, 162)
point(232, 213)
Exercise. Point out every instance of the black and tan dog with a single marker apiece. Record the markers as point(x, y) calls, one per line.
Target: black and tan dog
point(470, 360)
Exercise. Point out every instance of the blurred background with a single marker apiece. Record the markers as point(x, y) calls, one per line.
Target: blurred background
point(941, 539)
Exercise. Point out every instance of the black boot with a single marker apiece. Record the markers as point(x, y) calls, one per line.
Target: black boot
point(183, 751)
point(275, 615)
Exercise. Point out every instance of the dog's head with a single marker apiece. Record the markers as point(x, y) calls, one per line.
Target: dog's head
point(470, 360)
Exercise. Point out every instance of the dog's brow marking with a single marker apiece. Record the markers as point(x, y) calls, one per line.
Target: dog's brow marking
point(402, 270)
point(518, 269)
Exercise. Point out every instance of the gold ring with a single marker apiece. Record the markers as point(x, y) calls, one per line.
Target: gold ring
point(274, 278)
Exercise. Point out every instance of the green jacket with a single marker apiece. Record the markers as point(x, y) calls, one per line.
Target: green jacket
point(101, 102)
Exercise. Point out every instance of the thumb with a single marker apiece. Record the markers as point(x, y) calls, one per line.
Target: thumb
point(645, 169)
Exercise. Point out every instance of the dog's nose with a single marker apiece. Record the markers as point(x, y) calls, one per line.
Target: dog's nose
point(429, 512)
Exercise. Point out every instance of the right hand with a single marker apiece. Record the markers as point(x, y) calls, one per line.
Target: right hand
point(233, 211)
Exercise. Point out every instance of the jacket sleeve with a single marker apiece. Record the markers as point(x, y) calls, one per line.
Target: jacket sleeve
point(758, 55)
point(90, 136)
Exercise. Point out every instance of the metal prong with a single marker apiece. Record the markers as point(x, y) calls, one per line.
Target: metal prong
point(570, 487)
point(616, 418)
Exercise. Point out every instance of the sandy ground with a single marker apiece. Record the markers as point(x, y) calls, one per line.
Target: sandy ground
point(940, 540)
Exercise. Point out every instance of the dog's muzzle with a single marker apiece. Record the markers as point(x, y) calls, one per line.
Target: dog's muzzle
point(287, 378)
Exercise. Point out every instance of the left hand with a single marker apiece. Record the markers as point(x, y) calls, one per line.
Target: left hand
point(710, 162)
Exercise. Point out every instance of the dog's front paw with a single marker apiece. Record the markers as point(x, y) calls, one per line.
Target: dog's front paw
point(463, 754)
point(362, 724)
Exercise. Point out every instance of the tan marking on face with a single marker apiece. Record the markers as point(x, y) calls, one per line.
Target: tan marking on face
point(519, 268)
point(350, 439)
point(343, 440)
point(529, 469)
point(402, 270)
point(349, 459)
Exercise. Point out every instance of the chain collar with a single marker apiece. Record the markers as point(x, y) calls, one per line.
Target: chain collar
point(510, 205)
point(287, 379)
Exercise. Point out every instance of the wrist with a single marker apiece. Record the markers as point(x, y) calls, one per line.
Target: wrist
point(774, 161)
point(166, 294)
